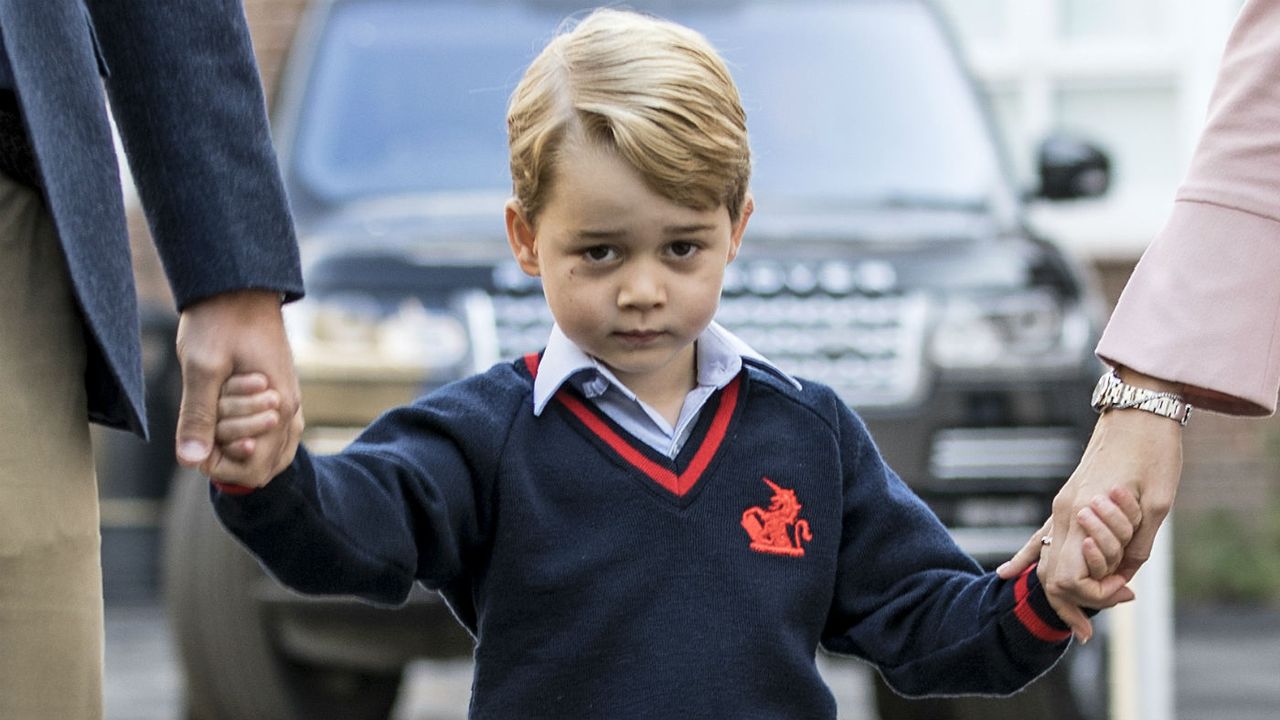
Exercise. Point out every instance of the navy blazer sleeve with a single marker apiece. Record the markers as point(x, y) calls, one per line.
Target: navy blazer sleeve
point(187, 99)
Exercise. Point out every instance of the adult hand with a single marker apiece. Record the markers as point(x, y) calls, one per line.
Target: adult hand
point(1130, 449)
point(235, 332)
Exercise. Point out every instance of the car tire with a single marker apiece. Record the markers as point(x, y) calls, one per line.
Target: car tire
point(224, 633)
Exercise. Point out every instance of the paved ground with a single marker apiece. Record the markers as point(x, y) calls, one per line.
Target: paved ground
point(1227, 668)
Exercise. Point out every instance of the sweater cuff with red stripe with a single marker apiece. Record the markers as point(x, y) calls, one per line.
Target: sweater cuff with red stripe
point(1033, 612)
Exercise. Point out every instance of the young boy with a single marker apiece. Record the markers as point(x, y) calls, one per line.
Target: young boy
point(648, 519)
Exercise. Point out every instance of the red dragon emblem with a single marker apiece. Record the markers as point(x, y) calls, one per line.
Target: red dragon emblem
point(778, 530)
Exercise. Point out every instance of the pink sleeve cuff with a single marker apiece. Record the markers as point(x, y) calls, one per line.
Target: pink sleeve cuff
point(1203, 308)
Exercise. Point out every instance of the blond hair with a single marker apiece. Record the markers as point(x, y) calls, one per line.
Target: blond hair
point(655, 92)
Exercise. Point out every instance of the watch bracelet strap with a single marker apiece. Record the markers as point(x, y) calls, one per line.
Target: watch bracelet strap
point(1166, 404)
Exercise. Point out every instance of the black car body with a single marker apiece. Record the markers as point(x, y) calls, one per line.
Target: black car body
point(889, 257)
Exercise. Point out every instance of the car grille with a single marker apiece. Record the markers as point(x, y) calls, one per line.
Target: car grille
point(832, 322)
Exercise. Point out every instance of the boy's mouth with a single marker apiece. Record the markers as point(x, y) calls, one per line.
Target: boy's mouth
point(638, 336)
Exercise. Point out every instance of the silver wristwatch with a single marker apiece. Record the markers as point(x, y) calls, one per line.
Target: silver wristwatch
point(1112, 393)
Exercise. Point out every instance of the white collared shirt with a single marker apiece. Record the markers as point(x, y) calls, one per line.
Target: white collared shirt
point(719, 360)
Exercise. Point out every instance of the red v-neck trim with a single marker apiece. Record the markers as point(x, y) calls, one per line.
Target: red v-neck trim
point(677, 484)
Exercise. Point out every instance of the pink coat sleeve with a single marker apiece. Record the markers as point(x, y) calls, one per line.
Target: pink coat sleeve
point(1203, 305)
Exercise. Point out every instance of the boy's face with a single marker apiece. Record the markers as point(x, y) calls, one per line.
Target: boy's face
point(631, 277)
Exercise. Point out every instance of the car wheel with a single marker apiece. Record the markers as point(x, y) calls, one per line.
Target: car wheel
point(224, 633)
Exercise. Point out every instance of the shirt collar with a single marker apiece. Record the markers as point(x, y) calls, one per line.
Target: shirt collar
point(720, 356)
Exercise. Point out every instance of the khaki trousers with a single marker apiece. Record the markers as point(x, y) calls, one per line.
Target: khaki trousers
point(51, 631)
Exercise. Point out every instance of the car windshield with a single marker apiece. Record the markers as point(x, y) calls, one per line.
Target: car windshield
point(849, 104)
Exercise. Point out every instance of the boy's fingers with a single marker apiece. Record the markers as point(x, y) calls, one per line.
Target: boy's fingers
point(246, 384)
point(1094, 559)
point(239, 450)
point(1095, 593)
point(1111, 546)
point(293, 436)
point(235, 428)
point(236, 405)
point(1114, 517)
point(1109, 586)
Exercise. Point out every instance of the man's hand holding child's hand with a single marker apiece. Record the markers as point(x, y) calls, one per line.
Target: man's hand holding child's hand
point(1108, 523)
point(247, 409)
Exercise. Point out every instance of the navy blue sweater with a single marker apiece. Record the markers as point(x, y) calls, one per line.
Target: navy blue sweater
point(602, 580)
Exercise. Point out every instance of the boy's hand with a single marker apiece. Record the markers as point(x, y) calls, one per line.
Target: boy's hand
point(247, 409)
point(1109, 523)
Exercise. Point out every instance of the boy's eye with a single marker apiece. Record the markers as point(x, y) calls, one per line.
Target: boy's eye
point(599, 253)
point(682, 248)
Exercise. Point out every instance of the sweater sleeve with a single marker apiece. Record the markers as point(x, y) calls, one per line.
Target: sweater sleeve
point(407, 501)
point(1203, 305)
point(912, 603)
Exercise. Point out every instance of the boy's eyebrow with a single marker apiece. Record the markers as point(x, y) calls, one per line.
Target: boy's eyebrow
point(611, 234)
point(599, 234)
point(688, 229)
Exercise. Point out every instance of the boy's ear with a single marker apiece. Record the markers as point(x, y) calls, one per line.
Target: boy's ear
point(521, 238)
point(735, 236)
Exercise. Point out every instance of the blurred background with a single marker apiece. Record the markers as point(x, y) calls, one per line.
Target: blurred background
point(1131, 76)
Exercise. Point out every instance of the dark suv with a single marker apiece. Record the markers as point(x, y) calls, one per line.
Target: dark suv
point(888, 257)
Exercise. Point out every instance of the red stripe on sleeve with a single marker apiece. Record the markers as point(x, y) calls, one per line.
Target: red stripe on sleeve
point(1028, 616)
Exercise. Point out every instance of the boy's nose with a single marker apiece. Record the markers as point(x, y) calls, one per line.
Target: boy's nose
point(643, 289)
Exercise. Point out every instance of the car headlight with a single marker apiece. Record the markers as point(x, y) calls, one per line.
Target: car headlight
point(352, 333)
point(1026, 329)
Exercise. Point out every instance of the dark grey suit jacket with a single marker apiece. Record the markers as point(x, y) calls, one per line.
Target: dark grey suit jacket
point(184, 90)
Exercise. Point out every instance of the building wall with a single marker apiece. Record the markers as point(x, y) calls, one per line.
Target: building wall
point(1134, 76)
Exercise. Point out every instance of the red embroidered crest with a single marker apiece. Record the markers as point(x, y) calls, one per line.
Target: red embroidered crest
point(778, 530)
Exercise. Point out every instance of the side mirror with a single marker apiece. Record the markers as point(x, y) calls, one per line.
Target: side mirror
point(1071, 168)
